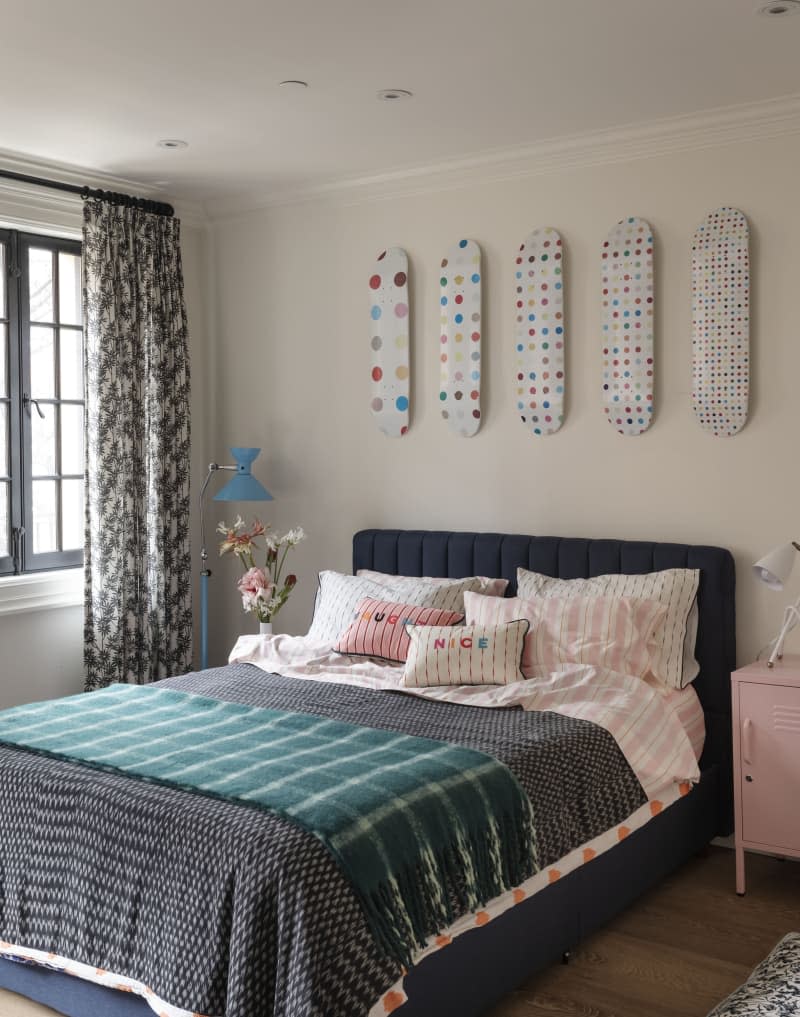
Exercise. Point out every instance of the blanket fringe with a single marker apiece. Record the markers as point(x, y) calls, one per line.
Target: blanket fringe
point(424, 898)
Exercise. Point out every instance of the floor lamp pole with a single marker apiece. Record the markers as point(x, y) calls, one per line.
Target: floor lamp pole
point(204, 618)
point(205, 572)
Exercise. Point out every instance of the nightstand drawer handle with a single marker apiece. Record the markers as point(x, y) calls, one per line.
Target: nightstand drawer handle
point(746, 728)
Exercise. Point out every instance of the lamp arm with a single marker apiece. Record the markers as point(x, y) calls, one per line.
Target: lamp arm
point(212, 469)
point(791, 617)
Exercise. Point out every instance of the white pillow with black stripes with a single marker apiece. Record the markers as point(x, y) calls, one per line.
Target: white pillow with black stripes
point(339, 595)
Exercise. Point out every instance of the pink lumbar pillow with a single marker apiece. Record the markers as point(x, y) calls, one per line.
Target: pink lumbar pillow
point(380, 628)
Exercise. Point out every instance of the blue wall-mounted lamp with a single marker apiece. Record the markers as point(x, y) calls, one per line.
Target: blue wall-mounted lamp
point(242, 487)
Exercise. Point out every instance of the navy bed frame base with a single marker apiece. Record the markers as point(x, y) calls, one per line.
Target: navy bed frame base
point(482, 966)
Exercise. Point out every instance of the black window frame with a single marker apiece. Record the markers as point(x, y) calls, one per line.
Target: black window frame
point(22, 559)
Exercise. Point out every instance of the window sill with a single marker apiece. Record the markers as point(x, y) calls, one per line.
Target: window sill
point(41, 591)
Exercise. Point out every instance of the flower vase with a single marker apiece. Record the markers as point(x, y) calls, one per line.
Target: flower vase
point(265, 628)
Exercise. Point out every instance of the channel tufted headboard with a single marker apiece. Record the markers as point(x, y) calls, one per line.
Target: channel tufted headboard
point(443, 553)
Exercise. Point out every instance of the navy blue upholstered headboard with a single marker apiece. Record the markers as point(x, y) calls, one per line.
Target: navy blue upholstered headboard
point(441, 553)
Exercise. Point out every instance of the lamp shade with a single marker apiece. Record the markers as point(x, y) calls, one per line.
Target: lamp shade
point(243, 486)
point(774, 568)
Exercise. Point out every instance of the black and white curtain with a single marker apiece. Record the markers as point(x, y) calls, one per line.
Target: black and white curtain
point(138, 620)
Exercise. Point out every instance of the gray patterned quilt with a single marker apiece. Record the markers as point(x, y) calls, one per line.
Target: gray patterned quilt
point(224, 910)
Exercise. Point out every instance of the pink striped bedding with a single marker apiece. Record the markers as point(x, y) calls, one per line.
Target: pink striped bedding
point(657, 729)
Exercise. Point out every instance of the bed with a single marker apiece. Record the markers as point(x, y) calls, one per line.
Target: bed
point(543, 927)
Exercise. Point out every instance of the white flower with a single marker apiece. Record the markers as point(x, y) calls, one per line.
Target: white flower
point(294, 536)
point(224, 528)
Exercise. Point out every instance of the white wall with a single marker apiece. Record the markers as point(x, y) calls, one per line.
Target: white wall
point(194, 251)
point(290, 366)
point(42, 655)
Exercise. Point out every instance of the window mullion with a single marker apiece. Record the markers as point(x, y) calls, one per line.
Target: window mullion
point(25, 412)
point(16, 506)
point(57, 390)
point(5, 403)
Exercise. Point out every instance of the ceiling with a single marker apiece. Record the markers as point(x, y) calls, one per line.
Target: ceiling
point(95, 83)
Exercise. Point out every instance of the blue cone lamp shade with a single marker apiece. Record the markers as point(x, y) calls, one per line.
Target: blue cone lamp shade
point(243, 486)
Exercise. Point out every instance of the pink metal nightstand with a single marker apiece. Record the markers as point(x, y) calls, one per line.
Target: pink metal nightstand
point(766, 759)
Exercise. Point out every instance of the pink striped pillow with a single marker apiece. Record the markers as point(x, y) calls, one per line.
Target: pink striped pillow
point(620, 633)
point(381, 628)
point(468, 655)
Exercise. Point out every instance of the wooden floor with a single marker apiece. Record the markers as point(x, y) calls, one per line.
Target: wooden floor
point(677, 952)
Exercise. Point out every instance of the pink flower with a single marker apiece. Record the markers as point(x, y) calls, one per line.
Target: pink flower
point(255, 586)
point(239, 543)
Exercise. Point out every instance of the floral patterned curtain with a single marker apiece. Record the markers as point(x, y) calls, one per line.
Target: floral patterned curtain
point(138, 620)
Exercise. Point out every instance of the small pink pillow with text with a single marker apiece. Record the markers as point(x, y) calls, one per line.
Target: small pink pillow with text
point(380, 628)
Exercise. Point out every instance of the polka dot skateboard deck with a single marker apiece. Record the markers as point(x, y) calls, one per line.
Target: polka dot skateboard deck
point(539, 331)
point(460, 338)
point(721, 322)
point(389, 345)
point(627, 324)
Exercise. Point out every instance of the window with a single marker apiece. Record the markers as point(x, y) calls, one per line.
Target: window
point(41, 403)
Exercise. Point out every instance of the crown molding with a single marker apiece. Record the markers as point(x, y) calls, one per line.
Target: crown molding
point(27, 206)
point(710, 128)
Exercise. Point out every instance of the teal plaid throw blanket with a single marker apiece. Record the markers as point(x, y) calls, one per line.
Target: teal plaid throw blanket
point(410, 820)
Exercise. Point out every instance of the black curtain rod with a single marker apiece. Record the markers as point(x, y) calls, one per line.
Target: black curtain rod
point(156, 207)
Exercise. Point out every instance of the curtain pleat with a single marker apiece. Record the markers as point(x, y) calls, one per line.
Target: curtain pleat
point(138, 615)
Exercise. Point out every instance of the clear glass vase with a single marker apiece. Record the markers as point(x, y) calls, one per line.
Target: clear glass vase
point(265, 628)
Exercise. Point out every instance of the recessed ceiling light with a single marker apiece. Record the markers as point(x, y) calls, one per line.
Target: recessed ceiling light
point(293, 83)
point(780, 8)
point(392, 94)
point(172, 143)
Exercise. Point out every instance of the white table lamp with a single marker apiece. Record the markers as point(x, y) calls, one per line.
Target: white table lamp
point(774, 570)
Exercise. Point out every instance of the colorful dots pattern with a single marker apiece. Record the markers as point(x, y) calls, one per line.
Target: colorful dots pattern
point(721, 322)
point(460, 338)
point(628, 305)
point(389, 346)
point(539, 334)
